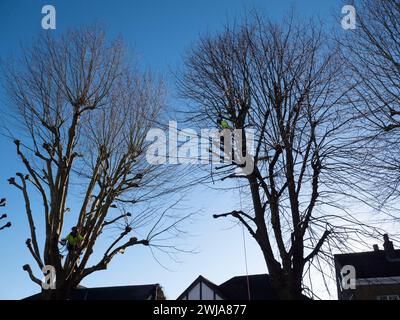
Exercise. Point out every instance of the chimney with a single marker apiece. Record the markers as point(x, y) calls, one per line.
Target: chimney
point(376, 247)
point(388, 247)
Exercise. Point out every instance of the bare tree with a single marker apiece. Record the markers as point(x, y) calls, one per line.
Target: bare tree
point(4, 215)
point(371, 53)
point(84, 112)
point(283, 80)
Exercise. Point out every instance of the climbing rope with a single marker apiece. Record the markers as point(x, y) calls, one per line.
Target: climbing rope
point(244, 248)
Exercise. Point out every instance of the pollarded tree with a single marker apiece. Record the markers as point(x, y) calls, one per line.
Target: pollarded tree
point(4, 215)
point(285, 81)
point(84, 113)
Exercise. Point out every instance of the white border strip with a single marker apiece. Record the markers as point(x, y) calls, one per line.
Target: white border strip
point(381, 280)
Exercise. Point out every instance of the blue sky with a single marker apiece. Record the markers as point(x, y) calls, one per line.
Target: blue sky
point(159, 31)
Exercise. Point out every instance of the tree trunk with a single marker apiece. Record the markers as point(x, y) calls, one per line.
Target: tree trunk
point(61, 293)
point(287, 286)
point(63, 289)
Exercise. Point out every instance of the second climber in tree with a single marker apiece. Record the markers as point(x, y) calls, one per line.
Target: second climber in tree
point(223, 124)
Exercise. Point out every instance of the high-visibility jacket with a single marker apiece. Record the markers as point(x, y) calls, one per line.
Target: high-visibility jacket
point(224, 125)
point(73, 241)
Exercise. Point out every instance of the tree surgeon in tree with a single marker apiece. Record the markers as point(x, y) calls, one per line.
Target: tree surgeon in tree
point(85, 113)
point(285, 80)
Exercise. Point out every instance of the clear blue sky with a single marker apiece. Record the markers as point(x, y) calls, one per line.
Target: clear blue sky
point(159, 31)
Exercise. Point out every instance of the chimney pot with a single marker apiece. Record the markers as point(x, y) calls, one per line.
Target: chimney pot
point(376, 247)
point(388, 246)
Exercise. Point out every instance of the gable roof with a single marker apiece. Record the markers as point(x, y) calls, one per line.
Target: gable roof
point(371, 264)
point(199, 279)
point(138, 292)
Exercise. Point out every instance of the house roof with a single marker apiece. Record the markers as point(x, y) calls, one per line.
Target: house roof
point(236, 288)
point(138, 292)
point(371, 264)
point(259, 284)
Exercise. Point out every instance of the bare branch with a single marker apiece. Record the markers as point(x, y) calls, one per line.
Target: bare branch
point(28, 269)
